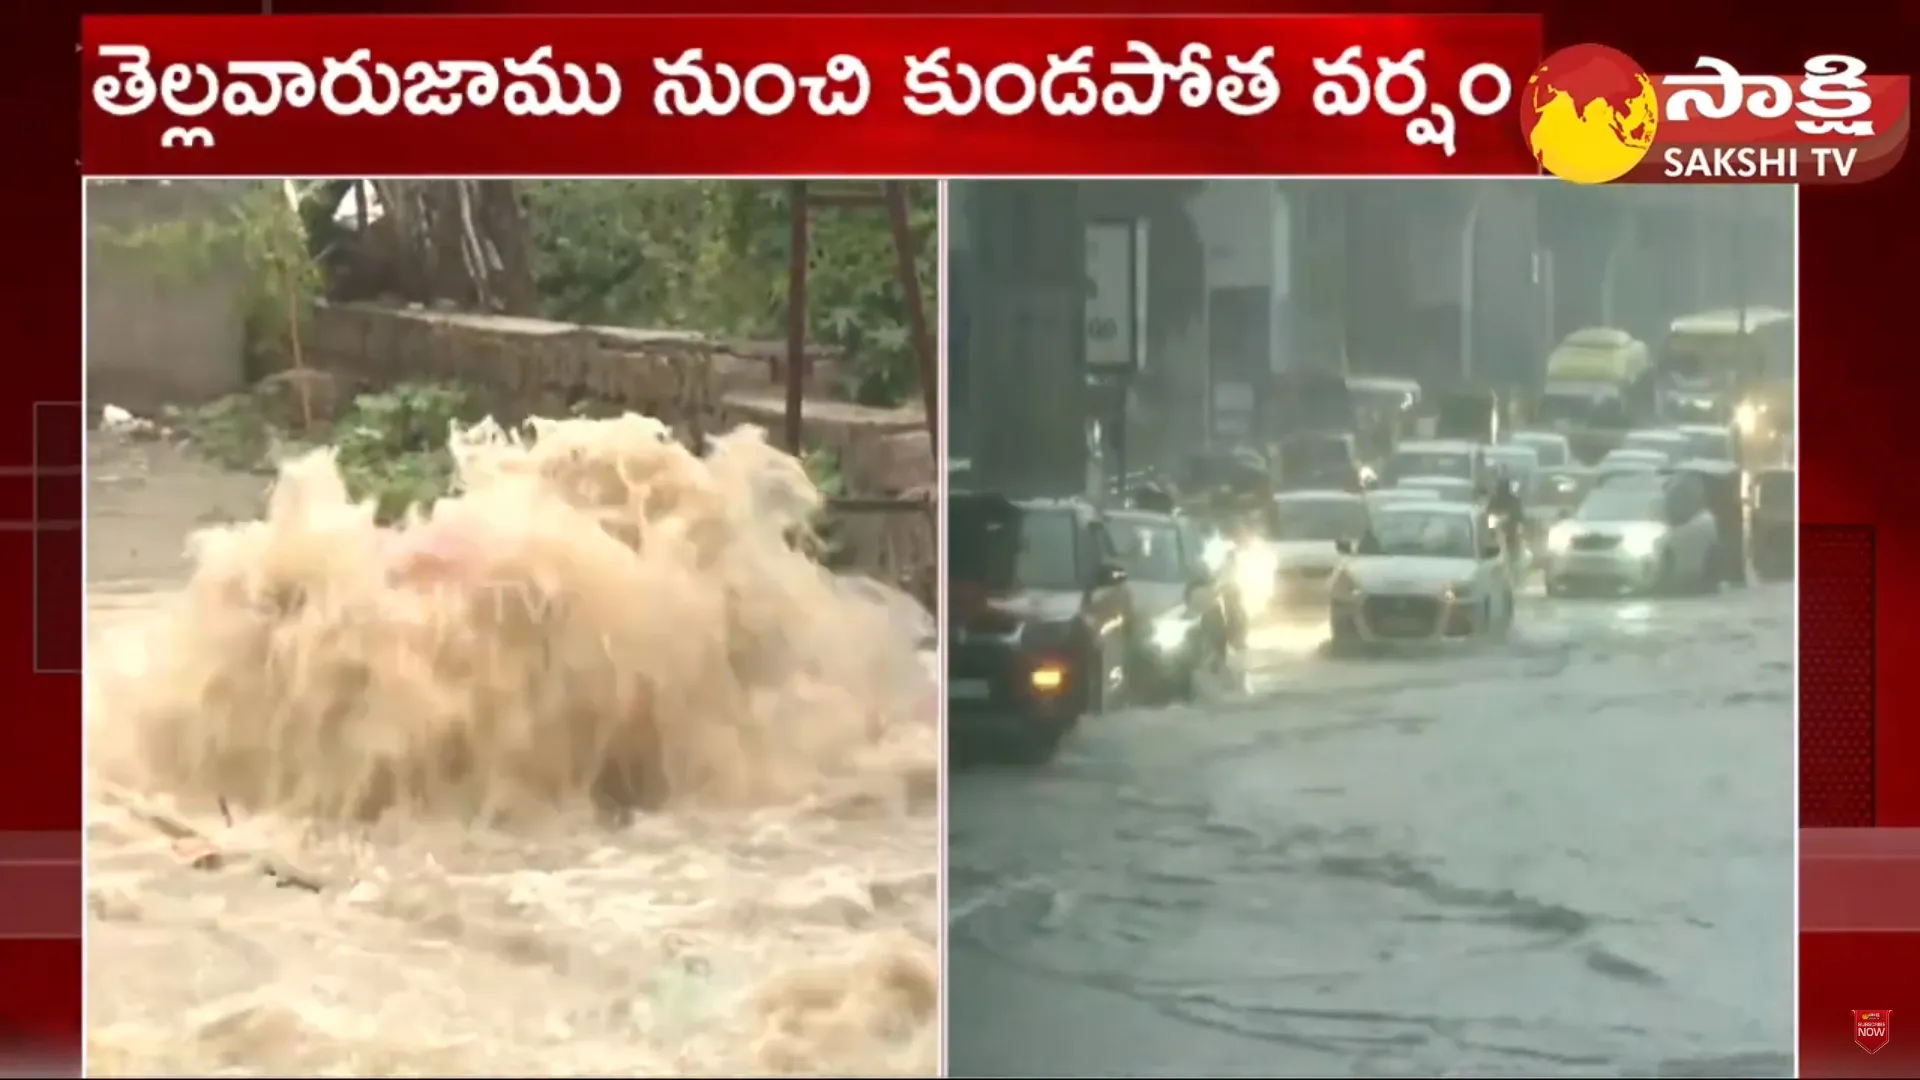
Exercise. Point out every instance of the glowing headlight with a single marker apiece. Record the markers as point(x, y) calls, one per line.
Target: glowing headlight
point(1367, 475)
point(1642, 542)
point(1215, 552)
point(1559, 538)
point(1170, 632)
point(1747, 416)
point(1254, 567)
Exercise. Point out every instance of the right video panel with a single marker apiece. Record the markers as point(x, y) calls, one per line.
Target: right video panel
point(1370, 629)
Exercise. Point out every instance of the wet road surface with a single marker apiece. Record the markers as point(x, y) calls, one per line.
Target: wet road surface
point(1570, 854)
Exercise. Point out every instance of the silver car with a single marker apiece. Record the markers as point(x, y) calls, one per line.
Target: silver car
point(1650, 534)
point(1553, 449)
point(1428, 571)
point(1666, 442)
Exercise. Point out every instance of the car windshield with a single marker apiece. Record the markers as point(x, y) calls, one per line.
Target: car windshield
point(1514, 463)
point(1655, 442)
point(1382, 398)
point(1551, 453)
point(1624, 502)
point(1319, 519)
point(1150, 550)
point(1458, 463)
point(1307, 461)
point(1711, 445)
point(1445, 487)
point(1633, 459)
point(1430, 533)
point(1579, 407)
point(1004, 547)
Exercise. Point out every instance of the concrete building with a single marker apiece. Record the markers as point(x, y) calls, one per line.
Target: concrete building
point(1436, 279)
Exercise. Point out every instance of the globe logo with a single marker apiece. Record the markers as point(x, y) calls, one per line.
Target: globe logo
point(1589, 114)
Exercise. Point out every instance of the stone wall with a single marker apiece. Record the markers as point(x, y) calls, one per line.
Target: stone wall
point(158, 334)
point(534, 367)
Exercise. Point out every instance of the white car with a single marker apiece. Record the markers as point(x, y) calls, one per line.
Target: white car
point(1444, 488)
point(1622, 462)
point(1380, 497)
point(1429, 571)
point(1711, 442)
point(1552, 448)
point(1651, 535)
point(1437, 457)
point(1666, 442)
point(1307, 528)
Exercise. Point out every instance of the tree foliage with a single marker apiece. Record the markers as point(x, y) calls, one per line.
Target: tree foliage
point(713, 255)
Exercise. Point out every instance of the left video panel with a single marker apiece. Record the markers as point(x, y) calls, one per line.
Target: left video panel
point(510, 647)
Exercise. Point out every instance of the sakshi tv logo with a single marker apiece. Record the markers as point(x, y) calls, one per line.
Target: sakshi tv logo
point(1593, 115)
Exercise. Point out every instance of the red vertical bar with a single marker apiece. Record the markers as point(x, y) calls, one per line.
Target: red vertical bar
point(59, 436)
point(1837, 641)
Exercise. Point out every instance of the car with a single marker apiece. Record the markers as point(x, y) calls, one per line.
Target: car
point(1668, 443)
point(1553, 448)
point(1307, 528)
point(1649, 534)
point(1711, 442)
point(1562, 488)
point(1042, 630)
point(1774, 524)
point(1388, 496)
point(1516, 461)
point(1436, 457)
point(1315, 460)
point(1445, 488)
point(1627, 462)
point(1179, 598)
point(1427, 571)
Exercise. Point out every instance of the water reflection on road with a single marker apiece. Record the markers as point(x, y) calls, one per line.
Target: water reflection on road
point(1569, 854)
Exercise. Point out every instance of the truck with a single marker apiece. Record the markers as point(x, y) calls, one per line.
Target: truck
point(1599, 384)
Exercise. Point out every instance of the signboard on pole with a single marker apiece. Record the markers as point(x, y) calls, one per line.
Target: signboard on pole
point(1116, 296)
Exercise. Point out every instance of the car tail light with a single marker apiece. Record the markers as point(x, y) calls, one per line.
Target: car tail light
point(1048, 677)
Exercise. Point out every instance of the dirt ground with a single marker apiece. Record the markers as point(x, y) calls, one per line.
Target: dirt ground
point(144, 498)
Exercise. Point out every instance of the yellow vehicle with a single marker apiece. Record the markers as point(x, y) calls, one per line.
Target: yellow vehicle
point(1599, 354)
point(1599, 383)
point(1745, 355)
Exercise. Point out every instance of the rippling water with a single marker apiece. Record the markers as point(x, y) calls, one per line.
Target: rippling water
point(794, 940)
point(1570, 855)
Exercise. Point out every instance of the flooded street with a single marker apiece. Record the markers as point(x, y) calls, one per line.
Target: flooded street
point(1570, 855)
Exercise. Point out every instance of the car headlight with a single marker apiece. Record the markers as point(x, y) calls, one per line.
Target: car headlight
point(1171, 631)
point(1559, 538)
point(1747, 416)
point(1642, 542)
point(1254, 565)
point(1215, 552)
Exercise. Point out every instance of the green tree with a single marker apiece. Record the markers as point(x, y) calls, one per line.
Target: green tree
point(712, 255)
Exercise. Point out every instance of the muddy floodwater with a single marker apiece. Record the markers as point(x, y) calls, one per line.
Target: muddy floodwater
point(1566, 855)
point(793, 939)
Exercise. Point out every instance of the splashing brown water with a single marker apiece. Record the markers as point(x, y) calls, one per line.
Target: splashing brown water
point(599, 774)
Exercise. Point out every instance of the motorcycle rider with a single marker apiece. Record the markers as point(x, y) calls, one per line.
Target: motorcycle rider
point(1504, 506)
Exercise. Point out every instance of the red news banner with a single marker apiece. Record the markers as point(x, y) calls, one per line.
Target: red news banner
point(941, 96)
point(889, 96)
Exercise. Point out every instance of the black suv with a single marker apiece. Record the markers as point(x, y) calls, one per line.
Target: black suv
point(1041, 627)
